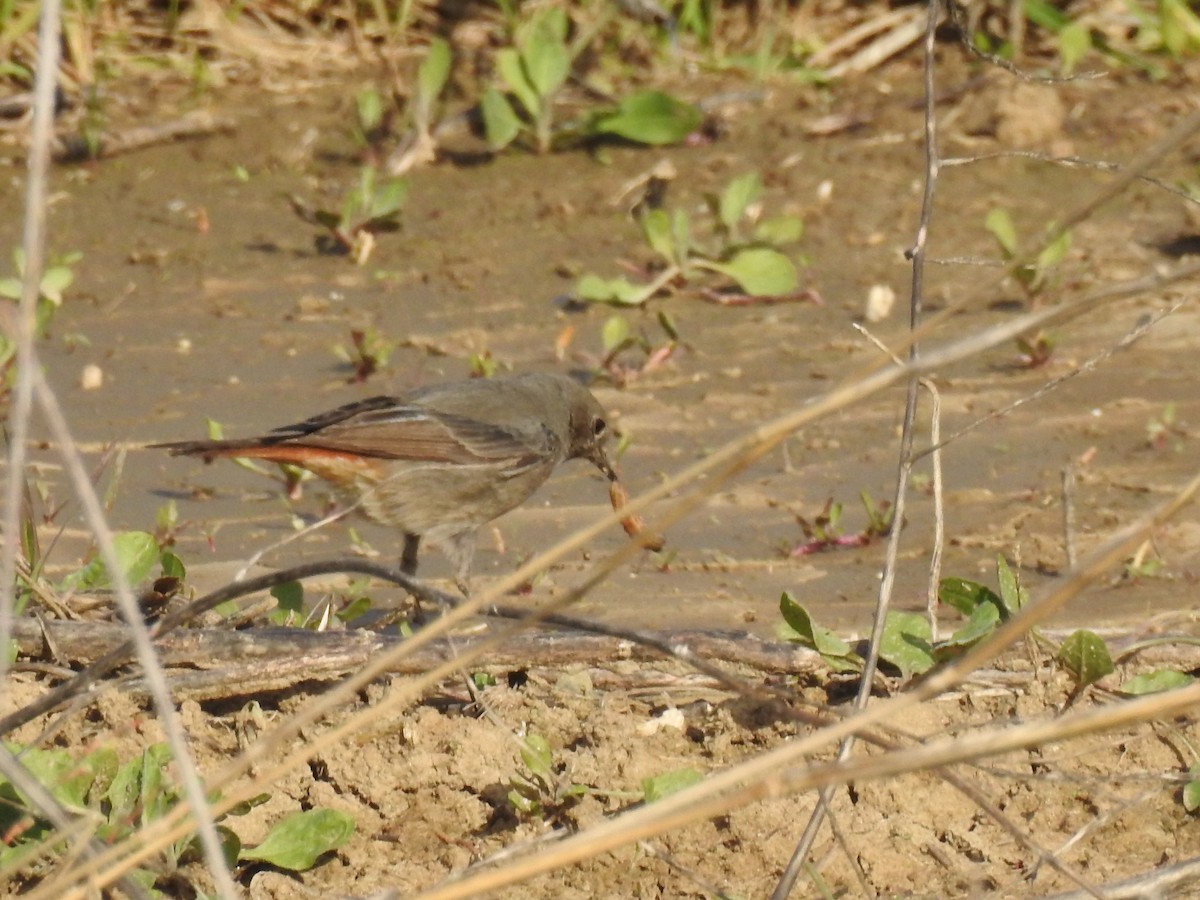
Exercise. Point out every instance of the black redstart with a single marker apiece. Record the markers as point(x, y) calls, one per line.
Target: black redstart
point(440, 461)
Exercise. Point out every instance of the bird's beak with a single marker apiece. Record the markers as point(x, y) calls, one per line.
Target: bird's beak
point(601, 462)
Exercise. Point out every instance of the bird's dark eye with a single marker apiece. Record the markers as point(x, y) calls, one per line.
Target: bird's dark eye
point(599, 426)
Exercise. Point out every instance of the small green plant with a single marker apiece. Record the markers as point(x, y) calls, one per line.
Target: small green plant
point(906, 640)
point(419, 147)
point(483, 364)
point(371, 207)
point(628, 354)
point(1032, 277)
point(533, 71)
point(825, 532)
point(370, 122)
point(56, 278)
point(1162, 428)
point(744, 248)
point(1145, 563)
point(126, 797)
point(653, 118)
point(137, 552)
point(540, 792)
point(1036, 349)
point(656, 787)
point(367, 355)
point(1083, 654)
point(345, 606)
point(1171, 26)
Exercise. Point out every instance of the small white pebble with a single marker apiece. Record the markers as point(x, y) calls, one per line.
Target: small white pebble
point(825, 190)
point(233, 379)
point(670, 718)
point(880, 299)
point(92, 377)
point(183, 345)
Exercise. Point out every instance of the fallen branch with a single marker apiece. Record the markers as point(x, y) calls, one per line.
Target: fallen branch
point(210, 663)
point(111, 143)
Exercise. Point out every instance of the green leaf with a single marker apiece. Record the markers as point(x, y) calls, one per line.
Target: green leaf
point(535, 753)
point(594, 289)
point(433, 71)
point(370, 109)
point(500, 123)
point(1085, 656)
point(659, 786)
point(649, 117)
point(1045, 15)
point(1074, 42)
point(759, 271)
point(966, 596)
point(1000, 224)
point(388, 199)
point(359, 606)
point(614, 332)
point(1191, 791)
point(544, 56)
point(1179, 26)
point(508, 64)
point(1156, 682)
point(299, 840)
point(289, 598)
point(172, 565)
point(906, 643)
point(136, 553)
point(779, 230)
point(681, 237)
point(656, 228)
point(982, 622)
point(1012, 595)
point(10, 288)
point(737, 197)
point(54, 282)
point(56, 770)
point(804, 631)
point(1055, 251)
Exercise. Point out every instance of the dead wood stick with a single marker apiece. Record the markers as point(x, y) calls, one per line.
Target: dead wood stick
point(206, 663)
point(112, 143)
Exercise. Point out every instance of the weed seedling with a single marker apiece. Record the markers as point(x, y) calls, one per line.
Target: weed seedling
point(742, 246)
point(627, 354)
point(124, 798)
point(825, 531)
point(1036, 349)
point(1160, 430)
point(368, 353)
point(533, 71)
point(539, 792)
point(371, 207)
point(419, 147)
point(1033, 277)
point(56, 278)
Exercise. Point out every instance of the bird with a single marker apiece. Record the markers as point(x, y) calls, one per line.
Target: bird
point(439, 461)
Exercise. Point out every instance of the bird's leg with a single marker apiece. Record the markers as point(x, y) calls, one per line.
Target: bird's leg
point(408, 559)
point(408, 566)
point(460, 550)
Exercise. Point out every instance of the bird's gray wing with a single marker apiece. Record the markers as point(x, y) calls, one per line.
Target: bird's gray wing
point(400, 430)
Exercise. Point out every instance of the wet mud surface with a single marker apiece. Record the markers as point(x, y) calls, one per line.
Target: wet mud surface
point(236, 321)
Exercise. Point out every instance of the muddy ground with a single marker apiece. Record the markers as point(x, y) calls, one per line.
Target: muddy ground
point(235, 320)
